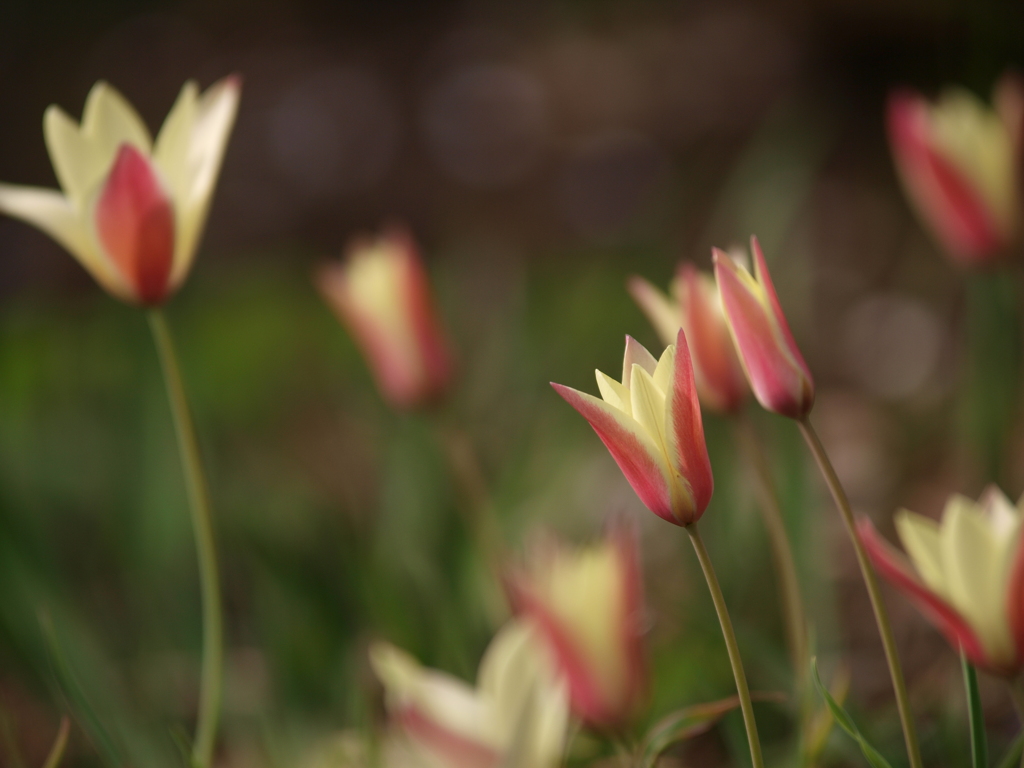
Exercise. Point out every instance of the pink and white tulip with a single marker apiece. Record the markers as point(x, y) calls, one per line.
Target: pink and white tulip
point(651, 424)
point(959, 161)
point(382, 294)
point(775, 369)
point(132, 210)
point(695, 306)
point(589, 605)
point(965, 574)
point(516, 717)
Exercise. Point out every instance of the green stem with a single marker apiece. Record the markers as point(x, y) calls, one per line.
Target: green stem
point(871, 582)
point(730, 644)
point(206, 550)
point(1017, 694)
point(976, 719)
point(782, 552)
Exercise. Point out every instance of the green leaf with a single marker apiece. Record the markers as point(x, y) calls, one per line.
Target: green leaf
point(846, 722)
point(1012, 757)
point(689, 722)
point(979, 746)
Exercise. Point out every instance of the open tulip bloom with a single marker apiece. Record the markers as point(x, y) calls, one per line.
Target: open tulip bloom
point(381, 292)
point(588, 604)
point(695, 306)
point(959, 161)
point(776, 370)
point(516, 717)
point(132, 210)
point(965, 573)
point(651, 424)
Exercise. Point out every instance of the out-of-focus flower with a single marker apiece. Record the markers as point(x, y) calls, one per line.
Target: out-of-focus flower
point(959, 161)
point(774, 366)
point(967, 575)
point(381, 292)
point(651, 424)
point(588, 603)
point(696, 307)
point(132, 210)
point(515, 718)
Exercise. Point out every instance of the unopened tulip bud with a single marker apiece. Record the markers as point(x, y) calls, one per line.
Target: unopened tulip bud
point(381, 292)
point(696, 307)
point(588, 604)
point(774, 366)
point(959, 161)
point(516, 717)
point(651, 424)
point(132, 210)
point(965, 574)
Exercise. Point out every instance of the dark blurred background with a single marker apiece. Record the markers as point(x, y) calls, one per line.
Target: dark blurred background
point(541, 153)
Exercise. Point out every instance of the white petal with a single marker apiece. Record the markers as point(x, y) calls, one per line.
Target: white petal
point(174, 142)
point(665, 372)
point(614, 393)
point(51, 212)
point(109, 121)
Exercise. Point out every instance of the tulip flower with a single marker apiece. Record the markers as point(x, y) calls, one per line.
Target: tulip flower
point(132, 210)
point(959, 161)
point(382, 294)
point(774, 366)
point(588, 603)
point(651, 424)
point(696, 307)
point(966, 574)
point(516, 717)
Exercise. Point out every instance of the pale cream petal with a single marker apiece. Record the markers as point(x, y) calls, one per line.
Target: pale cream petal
point(76, 161)
point(614, 393)
point(663, 313)
point(51, 212)
point(109, 121)
point(174, 142)
point(649, 407)
point(1003, 516)
point(974, 575)
point(920, 537)
point(636, 354)
point(215, 116)
point(665, 372)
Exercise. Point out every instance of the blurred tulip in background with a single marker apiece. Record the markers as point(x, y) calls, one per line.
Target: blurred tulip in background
point(589, 604)
point(132, 210)
point(382, 294)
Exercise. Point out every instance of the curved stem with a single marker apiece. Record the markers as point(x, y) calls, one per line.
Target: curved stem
point(206, 550)
point(730, 644)
point(871, 582)
point(782, 552)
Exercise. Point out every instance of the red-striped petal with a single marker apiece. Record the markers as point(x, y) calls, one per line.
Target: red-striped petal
point(453, 748)
point(894, 568)
point(135, 225)
point(686, 434)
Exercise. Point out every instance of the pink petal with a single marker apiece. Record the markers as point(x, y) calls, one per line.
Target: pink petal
point(945, 199)
point(721, 383)
point(455, 749)
point(638, 461)
point(891, 564)
point(1015, 600)
point(780, 381)
point(135, 225)
point(687, 432)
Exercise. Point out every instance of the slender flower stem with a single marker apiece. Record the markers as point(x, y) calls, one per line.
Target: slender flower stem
point(782, 552)
point(1017, 694)
point(206, 549)
point(871, 582)
point(730, 644)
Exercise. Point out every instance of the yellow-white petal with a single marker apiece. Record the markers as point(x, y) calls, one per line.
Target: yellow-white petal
point(108, 121)
point(664, 313)
point(665, 370)
point(636, 354)
point(51, 212)
point(920, 537)
point(649, 408)
point(214, 118)
point(614, 393)
point(174, 142)
point(79, 165)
